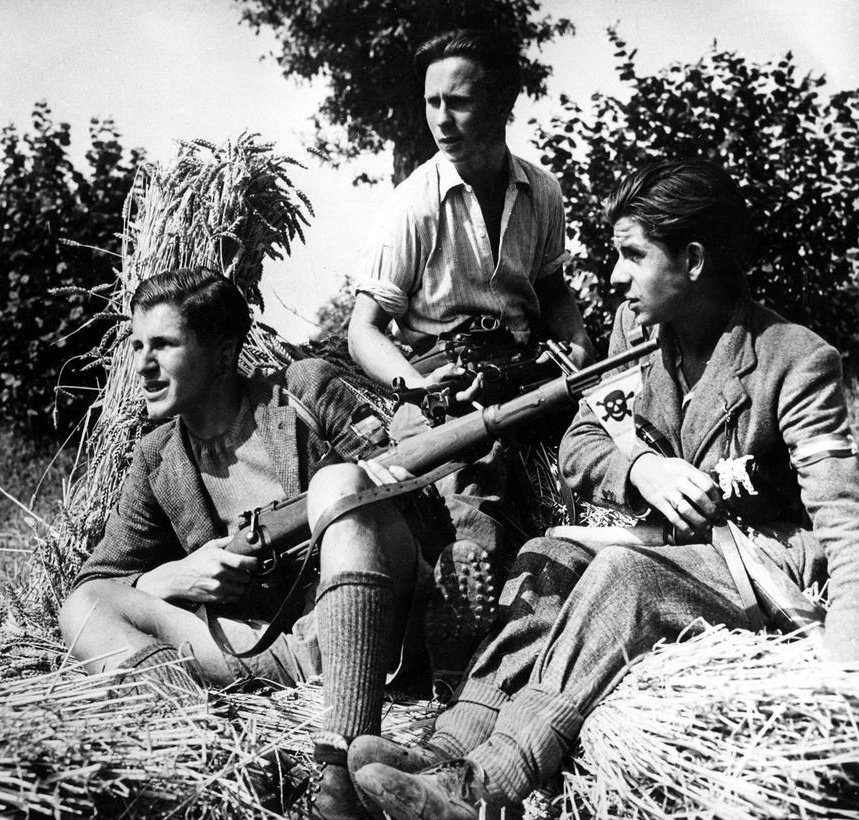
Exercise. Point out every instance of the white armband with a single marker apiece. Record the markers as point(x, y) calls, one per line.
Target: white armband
point(817, 448)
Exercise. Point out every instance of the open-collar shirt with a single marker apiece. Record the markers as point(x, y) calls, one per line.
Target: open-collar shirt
point(430, 266)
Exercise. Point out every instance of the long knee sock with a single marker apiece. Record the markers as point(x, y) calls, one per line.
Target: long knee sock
point(354, 612)
point(533, 733)
point(469, 721)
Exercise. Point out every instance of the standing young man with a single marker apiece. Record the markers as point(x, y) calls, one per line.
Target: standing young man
point(732, 382)
point(157, 585)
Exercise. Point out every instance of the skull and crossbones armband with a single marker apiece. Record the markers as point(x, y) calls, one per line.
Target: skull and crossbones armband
point(817, 448)
point(616, 405)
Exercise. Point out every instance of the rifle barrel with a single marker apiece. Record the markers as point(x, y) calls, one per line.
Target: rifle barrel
point(430, 449)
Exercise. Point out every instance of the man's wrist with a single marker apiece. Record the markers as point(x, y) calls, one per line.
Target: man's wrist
point(154, 583)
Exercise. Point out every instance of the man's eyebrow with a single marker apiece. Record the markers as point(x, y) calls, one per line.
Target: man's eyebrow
point(627, 244)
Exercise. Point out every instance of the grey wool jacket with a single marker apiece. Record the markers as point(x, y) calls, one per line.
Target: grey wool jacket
point(770, 389)
point(164, 511)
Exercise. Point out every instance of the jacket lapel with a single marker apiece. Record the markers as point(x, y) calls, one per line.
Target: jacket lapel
point(659, 400)
point(720, 393)
point(276, 423)
point(177, 485)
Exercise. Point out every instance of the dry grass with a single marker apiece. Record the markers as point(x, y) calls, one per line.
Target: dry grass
point(73, 744)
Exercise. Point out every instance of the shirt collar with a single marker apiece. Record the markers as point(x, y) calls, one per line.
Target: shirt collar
point(449, 178)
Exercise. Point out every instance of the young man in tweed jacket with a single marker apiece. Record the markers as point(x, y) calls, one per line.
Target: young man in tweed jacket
point(160, 581)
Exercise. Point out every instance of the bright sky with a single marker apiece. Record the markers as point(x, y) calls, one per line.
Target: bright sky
point(169, 69)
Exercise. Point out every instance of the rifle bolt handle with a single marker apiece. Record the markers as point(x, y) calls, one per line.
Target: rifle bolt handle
point(252, 537)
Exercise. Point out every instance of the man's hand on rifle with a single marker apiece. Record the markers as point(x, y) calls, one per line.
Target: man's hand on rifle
point(688, 498)
point(379, 474)
point(465, 387)
point(207, 575)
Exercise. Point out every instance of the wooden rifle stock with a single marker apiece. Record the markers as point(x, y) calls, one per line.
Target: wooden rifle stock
point(280, 532)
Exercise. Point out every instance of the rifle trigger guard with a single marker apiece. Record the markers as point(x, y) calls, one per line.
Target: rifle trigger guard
point(269, 563)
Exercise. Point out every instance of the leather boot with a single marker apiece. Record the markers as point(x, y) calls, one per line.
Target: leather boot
point(454, 790)
point(374, 749)
point(334, 797)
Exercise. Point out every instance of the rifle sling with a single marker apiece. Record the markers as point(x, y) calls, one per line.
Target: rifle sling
point(723, 541)
point(338, 509)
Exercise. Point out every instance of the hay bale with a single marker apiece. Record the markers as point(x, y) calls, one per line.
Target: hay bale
point(728, 724)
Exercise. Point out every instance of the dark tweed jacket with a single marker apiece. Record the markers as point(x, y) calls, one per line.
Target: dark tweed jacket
point(769, 387)
point(164, 511)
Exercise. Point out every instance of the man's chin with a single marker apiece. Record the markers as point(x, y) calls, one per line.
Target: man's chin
point(158, 410)
point(452, 155)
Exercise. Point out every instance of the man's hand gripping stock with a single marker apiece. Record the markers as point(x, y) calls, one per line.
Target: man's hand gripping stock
point(689, 499)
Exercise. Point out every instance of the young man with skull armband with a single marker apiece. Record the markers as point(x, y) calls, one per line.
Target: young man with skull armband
point(732, 384)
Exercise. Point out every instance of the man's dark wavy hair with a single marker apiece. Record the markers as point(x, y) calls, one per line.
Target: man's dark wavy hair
point(681, 201)
point(496, 51)
point(210, 304)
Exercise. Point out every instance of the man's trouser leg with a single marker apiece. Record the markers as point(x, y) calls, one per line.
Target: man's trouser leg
point(543, 575)
point(624, 603)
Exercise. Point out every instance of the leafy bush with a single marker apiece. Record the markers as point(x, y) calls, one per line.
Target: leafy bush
point(43, 200)
point(793, 150)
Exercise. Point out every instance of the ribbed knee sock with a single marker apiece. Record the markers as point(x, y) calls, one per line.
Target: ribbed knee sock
point(470, 719)
point(354, 612)
point(533, 733)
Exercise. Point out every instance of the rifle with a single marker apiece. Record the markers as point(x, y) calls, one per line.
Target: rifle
point(488, 349)
point(279, 533)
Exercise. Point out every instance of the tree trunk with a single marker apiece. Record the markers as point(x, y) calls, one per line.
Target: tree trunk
point(409, 153)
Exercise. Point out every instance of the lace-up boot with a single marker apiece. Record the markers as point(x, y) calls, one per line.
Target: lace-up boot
point(453, 790)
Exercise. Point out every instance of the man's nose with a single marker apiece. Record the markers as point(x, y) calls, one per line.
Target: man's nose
point(143, 360)
point(619, 277)
point(442, 115)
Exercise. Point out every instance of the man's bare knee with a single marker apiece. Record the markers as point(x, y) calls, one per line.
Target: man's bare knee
point(331, 484)
point(73, 613)
point(87, 602)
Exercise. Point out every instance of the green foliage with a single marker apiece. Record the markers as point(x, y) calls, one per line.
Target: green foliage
point(364, 50)
point(43, 200)
point(793, 151)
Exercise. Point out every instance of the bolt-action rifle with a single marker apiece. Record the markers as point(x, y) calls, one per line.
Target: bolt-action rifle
point(485, 348)
point(279, 533)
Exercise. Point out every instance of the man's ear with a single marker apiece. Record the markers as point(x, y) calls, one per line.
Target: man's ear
point(226, 354)
point(695, 256)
